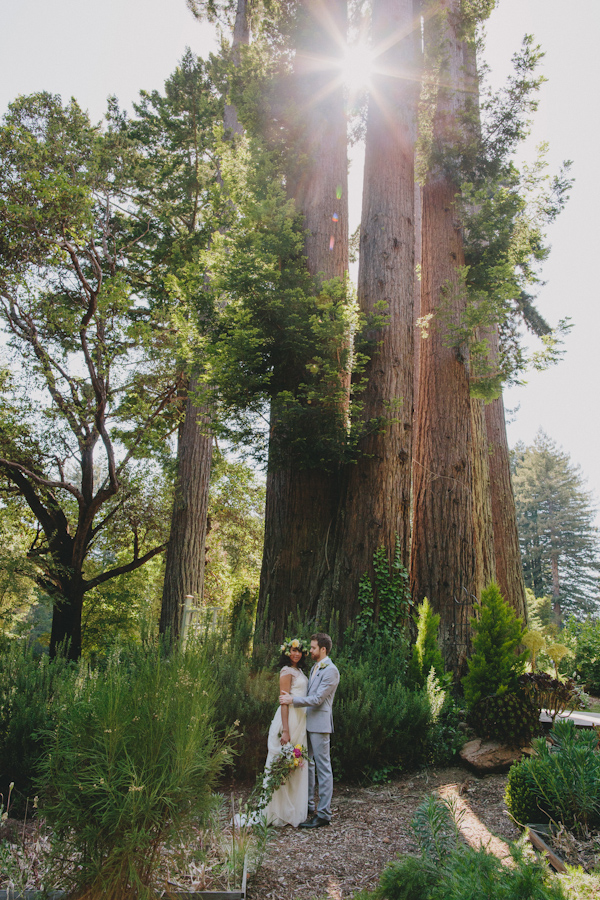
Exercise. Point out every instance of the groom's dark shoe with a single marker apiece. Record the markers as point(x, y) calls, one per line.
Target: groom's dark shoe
point(308, 822)
point(314, 822)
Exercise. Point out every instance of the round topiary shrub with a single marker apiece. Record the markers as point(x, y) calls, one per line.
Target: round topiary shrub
point(512, 718)
point(519, 798)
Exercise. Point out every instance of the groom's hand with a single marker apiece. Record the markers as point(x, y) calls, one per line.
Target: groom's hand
point(285, 699)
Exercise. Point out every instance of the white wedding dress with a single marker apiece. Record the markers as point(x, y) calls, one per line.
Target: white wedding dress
point(289, 804)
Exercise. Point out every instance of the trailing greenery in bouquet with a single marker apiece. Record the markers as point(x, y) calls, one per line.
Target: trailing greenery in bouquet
point(291, 758)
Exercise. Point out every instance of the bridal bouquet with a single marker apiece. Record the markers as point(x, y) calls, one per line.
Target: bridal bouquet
point(291, 758)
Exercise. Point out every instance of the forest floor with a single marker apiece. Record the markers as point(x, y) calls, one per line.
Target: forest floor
point(370, 827)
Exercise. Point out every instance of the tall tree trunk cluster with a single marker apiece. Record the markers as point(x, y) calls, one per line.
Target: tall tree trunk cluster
point(434, 477)
point(440, 453)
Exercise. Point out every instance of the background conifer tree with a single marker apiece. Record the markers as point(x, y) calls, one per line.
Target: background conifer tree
point(560, 544)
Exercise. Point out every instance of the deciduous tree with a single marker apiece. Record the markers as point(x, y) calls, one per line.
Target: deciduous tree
point(83, 405)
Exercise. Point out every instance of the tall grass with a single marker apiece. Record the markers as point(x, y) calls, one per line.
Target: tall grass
point(128, 768)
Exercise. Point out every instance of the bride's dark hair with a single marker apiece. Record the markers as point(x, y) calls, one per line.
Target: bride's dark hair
point(284, 660)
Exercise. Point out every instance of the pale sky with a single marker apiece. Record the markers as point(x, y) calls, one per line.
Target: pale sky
point(90, 50)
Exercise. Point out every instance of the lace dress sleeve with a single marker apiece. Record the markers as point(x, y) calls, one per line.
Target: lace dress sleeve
point(288, 670)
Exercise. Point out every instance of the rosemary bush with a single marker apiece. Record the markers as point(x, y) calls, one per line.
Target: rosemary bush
point(33, 690)
point(449, 870)
point(129, 766)
point(562, 780)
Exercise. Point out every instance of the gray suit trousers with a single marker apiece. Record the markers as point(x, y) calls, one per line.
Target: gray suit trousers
point(319, 758)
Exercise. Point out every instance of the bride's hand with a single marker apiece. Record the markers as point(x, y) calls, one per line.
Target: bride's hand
point(285, 738)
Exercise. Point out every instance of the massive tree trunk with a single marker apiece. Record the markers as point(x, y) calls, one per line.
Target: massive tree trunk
point(184, 566)
point(483, 530)
point(240, 38)
point(375, 506)
point(443, 555)
point(417, 305)
point(301, 504)
point(509, 568)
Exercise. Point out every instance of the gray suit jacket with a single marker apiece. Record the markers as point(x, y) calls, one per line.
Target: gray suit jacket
point(322, 685)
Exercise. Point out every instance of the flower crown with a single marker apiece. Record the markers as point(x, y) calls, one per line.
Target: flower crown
point(290, 644)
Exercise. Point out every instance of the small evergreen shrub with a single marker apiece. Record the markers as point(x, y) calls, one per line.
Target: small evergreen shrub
point(381, 727)
point(129, 765)
point(564, 778)
point(495, 663)
point(426, 654)
point(409, 878)
point(512, 718)
point(445, 738)
point(247, 697)
point(519, 797)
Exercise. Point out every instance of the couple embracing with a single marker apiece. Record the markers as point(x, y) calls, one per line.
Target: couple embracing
point(304, 717)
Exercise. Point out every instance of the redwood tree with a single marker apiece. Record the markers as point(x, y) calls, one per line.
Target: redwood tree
point(301, 502)
point(374, 509)
point(507, 552)
point(185, 558)
point(443, 555)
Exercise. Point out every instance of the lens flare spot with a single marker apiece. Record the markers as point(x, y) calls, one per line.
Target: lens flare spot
point(357, 66)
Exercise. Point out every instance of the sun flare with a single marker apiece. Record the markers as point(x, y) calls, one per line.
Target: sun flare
point(357, 67)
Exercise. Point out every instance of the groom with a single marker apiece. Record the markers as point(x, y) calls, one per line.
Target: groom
point(322, 685)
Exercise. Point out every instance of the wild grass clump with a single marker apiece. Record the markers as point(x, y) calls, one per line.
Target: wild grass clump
point(129, 766)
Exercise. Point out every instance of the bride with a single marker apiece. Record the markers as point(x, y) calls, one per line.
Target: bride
point(289, 803)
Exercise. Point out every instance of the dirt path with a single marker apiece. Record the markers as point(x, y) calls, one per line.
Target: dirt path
point(370, 827)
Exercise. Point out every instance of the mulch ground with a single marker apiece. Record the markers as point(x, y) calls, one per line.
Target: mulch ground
point(370, 827)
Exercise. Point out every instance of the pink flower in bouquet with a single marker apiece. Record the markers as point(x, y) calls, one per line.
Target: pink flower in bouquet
point(297, 750)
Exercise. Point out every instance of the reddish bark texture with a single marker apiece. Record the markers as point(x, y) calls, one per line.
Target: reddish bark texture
point(301, 504)
point(443, 562)
point(375, 504)
point(443, 557)
point(483, 530)
point(509, 568)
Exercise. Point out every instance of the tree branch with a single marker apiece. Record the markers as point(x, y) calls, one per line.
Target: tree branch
point(122, 570)
point(46, 482)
